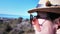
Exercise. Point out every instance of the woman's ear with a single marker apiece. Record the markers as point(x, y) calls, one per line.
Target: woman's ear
point(57, 21)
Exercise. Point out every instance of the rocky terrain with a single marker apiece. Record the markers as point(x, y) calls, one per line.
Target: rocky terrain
point(15, 26)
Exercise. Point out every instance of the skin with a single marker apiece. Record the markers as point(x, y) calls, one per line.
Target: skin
point(57, 21)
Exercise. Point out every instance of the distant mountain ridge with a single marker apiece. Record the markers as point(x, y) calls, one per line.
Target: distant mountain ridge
point(9, 16)
point(13, 16)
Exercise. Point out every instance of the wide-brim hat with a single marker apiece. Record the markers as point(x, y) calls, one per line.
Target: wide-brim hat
point(41, 7)
point(53, 9)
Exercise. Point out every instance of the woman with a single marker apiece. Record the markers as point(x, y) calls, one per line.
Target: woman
point(42, 24)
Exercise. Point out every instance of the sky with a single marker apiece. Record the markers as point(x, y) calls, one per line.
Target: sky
point(16, 8)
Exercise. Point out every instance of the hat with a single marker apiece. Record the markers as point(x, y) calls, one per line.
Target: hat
point(47, 6)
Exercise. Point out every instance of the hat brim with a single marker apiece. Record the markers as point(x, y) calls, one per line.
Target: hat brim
point(55, 9)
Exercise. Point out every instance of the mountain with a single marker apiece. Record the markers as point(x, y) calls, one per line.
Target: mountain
point(12, 16)
point(9, 16)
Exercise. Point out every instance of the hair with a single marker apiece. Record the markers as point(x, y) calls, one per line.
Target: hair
point(53, 16)
point(50, 16)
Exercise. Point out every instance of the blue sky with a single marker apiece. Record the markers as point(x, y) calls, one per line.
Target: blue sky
point(16, 7)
